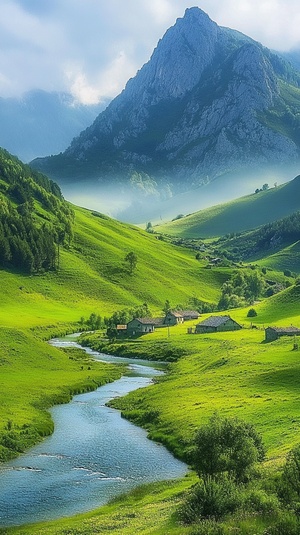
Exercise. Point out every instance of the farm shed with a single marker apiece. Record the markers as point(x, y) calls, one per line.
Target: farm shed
point(189, 314)
point(173, 318)
point(217, 324)
point(273, 333)
point(143, 325)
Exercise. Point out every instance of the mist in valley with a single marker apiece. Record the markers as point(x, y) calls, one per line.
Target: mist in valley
point(130, 205)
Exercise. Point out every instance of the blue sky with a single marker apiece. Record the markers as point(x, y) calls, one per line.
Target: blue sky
point(92, 47)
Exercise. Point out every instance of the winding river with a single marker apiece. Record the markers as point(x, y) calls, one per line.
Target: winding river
point(92, 456)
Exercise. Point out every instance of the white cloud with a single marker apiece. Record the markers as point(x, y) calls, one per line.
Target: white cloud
point(108, 83)
point(101, 43)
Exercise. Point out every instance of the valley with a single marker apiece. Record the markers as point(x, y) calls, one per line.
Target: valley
point(180, 200)
point(236, 374)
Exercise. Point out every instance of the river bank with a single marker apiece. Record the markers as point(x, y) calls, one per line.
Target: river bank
point(92, 456)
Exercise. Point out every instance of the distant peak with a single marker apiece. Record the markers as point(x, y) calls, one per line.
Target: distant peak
point(195, 13)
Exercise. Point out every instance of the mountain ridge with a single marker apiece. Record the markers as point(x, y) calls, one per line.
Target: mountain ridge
point(197, 110)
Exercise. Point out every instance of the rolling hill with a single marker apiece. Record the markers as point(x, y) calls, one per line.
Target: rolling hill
point(236, 216)
point(92, 276)
point(235, 373)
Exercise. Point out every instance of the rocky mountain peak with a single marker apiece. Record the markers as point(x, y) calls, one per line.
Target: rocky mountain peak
point(179, 59)
point(204, 105)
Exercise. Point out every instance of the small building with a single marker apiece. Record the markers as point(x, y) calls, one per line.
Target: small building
point(173, 317)
point(217, 324)
point(121, 330)
point(273, 333)
point(189, 314)
point(143, 325)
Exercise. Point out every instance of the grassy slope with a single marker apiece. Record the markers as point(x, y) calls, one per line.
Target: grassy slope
point(287, 258)
point(236, 216)
point(92, 278)
point(234, 373)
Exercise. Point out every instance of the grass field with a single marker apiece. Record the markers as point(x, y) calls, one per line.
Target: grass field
point(234, 373)
point(93, 277)
point(240, 215)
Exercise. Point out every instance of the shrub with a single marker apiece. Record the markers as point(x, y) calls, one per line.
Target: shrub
point(259, 501)
point(251, 313)
point(210, 499)
point(289, 484)
point(287, 525)
point(226, 445)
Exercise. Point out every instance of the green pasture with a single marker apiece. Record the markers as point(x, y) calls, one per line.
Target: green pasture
point(287, 258)
point(243, 214)
point(235, 373)
point(93, 277)
point(35, 376)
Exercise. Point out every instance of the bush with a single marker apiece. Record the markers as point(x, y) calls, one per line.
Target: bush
point(261, 502)
point(288, 525)
point(210, 499)
point(226, 445)
point(289, 484)
point(251, 313)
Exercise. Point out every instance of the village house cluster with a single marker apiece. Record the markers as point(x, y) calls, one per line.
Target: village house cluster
point(212, 324)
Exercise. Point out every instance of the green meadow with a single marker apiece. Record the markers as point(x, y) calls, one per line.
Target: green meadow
point(93, 277)
point(236, 373)
point(243, 214)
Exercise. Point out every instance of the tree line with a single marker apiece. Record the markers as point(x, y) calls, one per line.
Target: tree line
point(34, 218)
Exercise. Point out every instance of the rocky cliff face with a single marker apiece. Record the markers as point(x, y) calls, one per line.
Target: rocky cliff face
point(198, 109)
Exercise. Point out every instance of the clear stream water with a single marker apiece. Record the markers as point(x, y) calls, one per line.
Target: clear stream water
point(92, 456)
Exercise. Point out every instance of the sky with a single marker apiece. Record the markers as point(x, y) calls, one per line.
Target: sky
point(90, 48)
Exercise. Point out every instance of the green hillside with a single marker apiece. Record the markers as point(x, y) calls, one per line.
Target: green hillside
point(235, 373)
point(240, 215)
point(91, 277)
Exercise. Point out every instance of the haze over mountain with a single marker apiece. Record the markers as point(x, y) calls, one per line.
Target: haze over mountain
point(40, 123)
point(210, 103)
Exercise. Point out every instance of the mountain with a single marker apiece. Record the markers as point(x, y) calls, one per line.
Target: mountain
point(244, 213)
point(210, 101)
point(40, 123)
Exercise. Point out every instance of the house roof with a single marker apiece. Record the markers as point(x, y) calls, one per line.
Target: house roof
point(185, 313)
point(281, 330)
point(175, 313)
point(214, 321)
point(148, 321)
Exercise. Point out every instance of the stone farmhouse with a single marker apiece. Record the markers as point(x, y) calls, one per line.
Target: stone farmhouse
point(143, 325)
point(273, 333)
point(174, 317)
point(217, 324)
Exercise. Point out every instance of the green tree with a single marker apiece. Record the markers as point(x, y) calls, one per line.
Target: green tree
point(226, 446)
point(289, 485)
point(166, 307)
point(131, 259)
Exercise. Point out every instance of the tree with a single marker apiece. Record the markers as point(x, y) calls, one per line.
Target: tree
point(226, 446)
point(167, 306)
point(289, 485)
point(251, 313)
point(131, 258)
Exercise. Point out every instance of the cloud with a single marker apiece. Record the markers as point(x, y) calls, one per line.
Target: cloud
point(108, 82)
point(92, 47)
